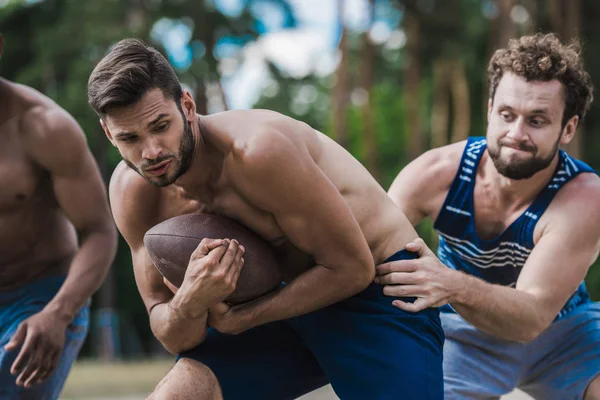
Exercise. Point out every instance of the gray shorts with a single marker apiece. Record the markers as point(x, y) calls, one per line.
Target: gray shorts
point(559, 364)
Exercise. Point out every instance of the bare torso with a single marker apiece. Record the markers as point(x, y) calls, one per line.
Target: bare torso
point(36, 239)
point(384, 226)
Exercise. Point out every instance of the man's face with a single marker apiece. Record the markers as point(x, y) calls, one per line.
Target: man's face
point(524, 125)
point(153, 136)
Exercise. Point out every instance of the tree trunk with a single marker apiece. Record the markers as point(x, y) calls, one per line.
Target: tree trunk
point(412, 82)
point(340, 87)
point(441, 104)
point(565, 17)
point(369, 144)
point(460, 102)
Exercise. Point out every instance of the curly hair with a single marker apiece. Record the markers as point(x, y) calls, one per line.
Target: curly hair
point(542, 57)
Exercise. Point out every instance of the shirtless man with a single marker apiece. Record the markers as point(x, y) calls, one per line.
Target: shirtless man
point(57, 241)
point(519, 225)
point(328, 219)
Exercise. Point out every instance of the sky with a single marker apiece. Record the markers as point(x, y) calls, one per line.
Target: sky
point(310, 48)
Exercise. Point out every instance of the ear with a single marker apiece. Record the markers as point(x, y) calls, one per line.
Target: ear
point(107, 132)
point(490, 106)
point(188, 105)
point(569, 130)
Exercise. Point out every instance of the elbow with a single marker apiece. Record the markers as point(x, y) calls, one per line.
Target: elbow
point(532, 333)
point(177, 347)
point(363, 277)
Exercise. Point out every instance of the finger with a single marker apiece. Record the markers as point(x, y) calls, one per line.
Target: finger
point(397, 266)
point(419, 305)
point(206, 245)
point(401, 290)
point(32, 364)
point(35, 376)
point(237, 269)
point(237, 262)
point(17, 338)
point(24, 355)
point(50, 366)
point(216, 254)
point(171, 287)
point(396, 278)
point(418, 246)
point(229, 257)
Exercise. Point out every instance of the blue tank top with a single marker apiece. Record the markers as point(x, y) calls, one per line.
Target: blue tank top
point(501, 259)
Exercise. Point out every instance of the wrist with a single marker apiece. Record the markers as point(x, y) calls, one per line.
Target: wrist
point(60, 312)
point(180, 307)
point(460, 285)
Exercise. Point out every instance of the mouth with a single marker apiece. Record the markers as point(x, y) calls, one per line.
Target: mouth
point(159, 169)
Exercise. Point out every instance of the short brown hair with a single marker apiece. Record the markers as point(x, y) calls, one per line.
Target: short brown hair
point(542, 57)
point(126, 73)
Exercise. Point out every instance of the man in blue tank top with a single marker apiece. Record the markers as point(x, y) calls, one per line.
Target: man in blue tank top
point(519, 226)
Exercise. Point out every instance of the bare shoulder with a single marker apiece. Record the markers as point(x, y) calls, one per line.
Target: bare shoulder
point(579, 199)
point(433, 170)
point(251, 131)
point(421, 187)
point(134, 203)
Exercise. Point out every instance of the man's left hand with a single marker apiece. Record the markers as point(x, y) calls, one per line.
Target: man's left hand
point(426, 278)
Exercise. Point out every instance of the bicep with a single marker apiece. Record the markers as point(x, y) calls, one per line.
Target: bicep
point(403, 192)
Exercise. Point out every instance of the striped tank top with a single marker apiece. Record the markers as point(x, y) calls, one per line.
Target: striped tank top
point(501, 259)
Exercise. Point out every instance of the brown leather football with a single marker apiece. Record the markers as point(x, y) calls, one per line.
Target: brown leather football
point(172, 242)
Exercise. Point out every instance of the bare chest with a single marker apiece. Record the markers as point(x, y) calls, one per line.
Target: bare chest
point(492, 216)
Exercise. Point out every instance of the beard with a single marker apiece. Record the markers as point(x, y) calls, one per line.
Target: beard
point(182, 160)
point(521, 169)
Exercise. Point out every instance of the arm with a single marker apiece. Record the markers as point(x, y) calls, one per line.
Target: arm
point(555, 268)
point(282, 179)
point(568, 244)
point(134, 206)
point(178, 321)
point(59, 146)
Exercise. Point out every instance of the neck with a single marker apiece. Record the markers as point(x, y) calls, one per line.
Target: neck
point(207, 163)
point(518, 193)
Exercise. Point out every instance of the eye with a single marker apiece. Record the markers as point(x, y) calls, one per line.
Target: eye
point(129, 139)
point(537, 122)
point(162, 127)
point(507, 116)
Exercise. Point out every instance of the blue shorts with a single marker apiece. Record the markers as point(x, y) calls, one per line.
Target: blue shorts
point(558, 364)
point(364, 346)
point(19, 304)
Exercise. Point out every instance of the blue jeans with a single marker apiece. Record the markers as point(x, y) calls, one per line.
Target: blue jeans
point(20, 304)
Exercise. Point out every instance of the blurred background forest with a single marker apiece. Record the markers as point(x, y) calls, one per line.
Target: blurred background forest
point(387, 79)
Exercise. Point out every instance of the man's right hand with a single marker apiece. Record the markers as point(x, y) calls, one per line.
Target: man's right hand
point(211, 276)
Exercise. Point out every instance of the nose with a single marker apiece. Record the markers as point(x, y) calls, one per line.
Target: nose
point(517, 130)
point(152, 149)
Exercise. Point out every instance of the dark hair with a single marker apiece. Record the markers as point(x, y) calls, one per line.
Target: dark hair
point(542, 57)
point(126, 73)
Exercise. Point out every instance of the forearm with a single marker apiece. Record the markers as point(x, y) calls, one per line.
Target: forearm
point(86, 273)
point(501, 311)
point(177, 332)
point(314, 289)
